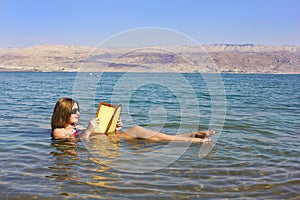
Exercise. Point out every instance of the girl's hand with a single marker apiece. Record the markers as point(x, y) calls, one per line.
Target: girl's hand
point(93, 124)
point(89, 130)
point(119, 124)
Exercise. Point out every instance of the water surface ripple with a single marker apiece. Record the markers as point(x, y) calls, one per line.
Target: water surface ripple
point(256, 156)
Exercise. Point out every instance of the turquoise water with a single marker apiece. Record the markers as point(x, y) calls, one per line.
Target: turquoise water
point(254, 155)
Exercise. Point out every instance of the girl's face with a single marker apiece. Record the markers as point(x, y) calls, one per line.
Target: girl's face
point(74, 119)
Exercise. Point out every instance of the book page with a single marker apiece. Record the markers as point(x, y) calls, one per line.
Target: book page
point(108, 115)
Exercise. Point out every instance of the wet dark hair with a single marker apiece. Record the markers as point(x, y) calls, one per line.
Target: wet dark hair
point(62, 112)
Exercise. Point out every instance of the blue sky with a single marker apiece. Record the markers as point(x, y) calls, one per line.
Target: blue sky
point(89, 22)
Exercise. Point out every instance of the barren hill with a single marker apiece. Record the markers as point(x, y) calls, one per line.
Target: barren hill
point(208, 58)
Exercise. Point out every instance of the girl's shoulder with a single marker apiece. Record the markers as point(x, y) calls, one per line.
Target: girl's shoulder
point(59, 133)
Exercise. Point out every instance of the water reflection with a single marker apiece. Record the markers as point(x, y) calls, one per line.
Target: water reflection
point(105, 149)
point(65, 156)
point(71, 163)
point(103, 176)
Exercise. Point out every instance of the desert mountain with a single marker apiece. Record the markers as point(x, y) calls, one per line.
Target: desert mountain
point(207, 58)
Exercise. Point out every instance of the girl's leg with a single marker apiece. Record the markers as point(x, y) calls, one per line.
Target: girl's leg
point(142, 133)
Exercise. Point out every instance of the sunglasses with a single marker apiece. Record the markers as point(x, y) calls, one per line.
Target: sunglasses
point(75, 110)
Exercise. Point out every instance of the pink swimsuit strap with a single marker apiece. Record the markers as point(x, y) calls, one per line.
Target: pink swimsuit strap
point(74, 132)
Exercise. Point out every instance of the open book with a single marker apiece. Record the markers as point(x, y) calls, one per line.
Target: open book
point(108, 115)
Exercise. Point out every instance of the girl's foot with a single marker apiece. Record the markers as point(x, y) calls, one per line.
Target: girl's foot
point(202, 134)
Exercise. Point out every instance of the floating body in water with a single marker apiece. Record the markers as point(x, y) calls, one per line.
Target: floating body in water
point(66, 114)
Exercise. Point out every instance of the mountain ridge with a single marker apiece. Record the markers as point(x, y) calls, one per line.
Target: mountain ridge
point(224, 58)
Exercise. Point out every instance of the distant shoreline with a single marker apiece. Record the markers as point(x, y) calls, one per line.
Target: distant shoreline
point(153, 72)
point(219, 58)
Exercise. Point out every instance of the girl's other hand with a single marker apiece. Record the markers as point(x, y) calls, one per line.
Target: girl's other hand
point(119, 124)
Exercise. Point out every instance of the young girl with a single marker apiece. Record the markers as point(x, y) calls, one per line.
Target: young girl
point(66, 114)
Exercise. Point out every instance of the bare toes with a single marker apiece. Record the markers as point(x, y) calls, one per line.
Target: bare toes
point(210, 133)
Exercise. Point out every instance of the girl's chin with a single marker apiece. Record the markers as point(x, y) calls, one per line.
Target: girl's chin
point(75, 121)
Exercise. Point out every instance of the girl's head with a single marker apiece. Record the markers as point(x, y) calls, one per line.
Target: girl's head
point(66, 111)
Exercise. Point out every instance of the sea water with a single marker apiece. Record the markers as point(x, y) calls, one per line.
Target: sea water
point(254, 154)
